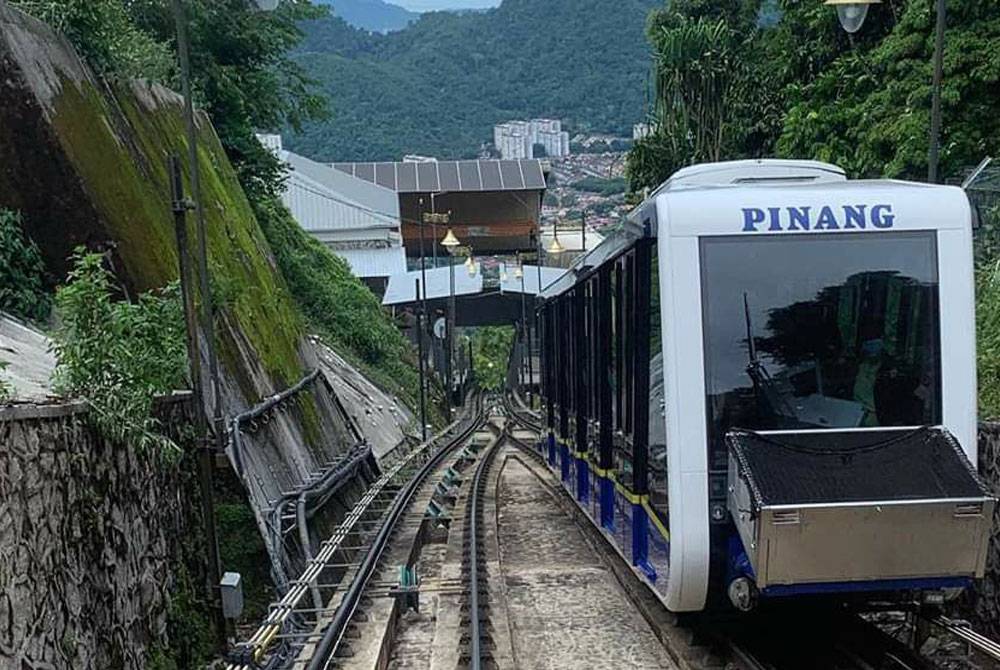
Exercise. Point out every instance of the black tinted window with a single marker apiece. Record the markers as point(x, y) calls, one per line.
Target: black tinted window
point(844, 331)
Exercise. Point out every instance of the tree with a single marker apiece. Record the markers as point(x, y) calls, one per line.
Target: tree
point(22, 274)
point(703, 75)
point(869, 109)
point(241, 71)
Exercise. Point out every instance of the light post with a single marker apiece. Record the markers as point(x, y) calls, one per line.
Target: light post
point(525, 344)
point(852, 13)
point(449, 242)
point(180, 206)
point(935, 138)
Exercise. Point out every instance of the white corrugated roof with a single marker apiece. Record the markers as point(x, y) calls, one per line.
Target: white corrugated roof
point(374, 262)
point(454, 176)
point(29, 361)
point(323, 199)
point(402, 287)
point(531, 272)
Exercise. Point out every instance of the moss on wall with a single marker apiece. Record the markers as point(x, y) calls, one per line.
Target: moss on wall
point(120, 145)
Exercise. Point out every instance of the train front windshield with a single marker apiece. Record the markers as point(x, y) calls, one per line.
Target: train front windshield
point(821, 331)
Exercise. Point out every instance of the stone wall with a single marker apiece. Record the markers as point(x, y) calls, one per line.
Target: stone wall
point(101, 546)
point(982, 604)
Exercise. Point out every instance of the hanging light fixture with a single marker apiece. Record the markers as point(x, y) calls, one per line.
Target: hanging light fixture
point(470, 264)
point(518, 272)
point(450, 240)
point(503, 273)
point(473, 268)
point(555, 248)
point(852, 13)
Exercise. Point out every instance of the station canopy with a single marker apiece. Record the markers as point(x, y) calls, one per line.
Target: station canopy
point(451, 176)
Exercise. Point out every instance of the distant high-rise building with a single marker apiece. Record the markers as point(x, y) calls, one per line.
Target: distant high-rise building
point(641, 130)
point(517, 139)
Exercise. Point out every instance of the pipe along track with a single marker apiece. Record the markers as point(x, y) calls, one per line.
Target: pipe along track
point(334, 633)
point(258, 651)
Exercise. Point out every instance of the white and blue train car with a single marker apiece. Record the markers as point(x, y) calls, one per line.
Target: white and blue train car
point(765, 386)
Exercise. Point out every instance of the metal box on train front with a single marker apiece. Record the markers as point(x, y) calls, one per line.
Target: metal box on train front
point(842, 507)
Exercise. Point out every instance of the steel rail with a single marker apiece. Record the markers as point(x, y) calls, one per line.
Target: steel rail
point(269, 631)
point(334, 632)
point(962, 631)
point(478, 485)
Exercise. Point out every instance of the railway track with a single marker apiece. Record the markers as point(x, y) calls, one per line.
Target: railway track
point(428, 585)
point(300, 632)
point(795, 638)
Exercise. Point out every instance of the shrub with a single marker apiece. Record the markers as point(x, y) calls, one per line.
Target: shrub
point(117, 355)
point(22, 285)
point(6, 391)
point(342, 309)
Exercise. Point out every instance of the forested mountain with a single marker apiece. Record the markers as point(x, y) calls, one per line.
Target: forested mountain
point(438, 86)
point(375, 15)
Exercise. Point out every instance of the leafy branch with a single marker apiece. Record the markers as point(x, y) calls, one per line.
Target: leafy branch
point(118, 355)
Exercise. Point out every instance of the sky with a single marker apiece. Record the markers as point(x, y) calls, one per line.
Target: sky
point(429, 5)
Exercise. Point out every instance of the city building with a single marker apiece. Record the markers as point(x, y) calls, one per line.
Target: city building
point(517, 139)
point(354, 218)
point(642, 130)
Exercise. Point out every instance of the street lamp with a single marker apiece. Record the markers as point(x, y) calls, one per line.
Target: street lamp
point(450, 242)
point(555, 248)
point(852, 13)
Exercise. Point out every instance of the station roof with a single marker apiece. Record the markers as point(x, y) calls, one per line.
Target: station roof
point(451, 176)
point(374, 262)
point(402, 287)
point(324, 199)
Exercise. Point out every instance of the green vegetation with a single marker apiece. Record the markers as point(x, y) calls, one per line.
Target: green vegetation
point(603, 187)
point(241, 548)
point(438, 86)
point(244, 81)
point(22, 286)
point(6, 390)
point(491, 347)
point(189, 625)
point(338, 306)
point(731, 85)
point(117, 355)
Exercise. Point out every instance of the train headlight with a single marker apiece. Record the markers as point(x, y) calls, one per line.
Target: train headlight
point(852, 13)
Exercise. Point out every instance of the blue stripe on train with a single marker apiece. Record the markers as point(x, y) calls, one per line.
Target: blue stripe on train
point(781, 590)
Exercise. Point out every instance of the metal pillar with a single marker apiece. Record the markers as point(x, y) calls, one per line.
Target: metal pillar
point(935, 139)
point(420, 353)
point(206, 456)
point(605, 412)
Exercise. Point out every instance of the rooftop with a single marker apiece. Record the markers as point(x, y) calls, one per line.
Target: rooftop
point(451, 176)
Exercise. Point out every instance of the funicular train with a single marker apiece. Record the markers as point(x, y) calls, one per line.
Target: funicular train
point(764, 386)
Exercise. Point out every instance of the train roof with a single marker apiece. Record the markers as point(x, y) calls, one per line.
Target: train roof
point(679, 207)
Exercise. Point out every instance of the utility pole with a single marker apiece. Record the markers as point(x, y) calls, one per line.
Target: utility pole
point(206, 452)
point(420, 350)
point(935, 139)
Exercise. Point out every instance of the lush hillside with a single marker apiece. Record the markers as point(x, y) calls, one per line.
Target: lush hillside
point(375, 15)
point(438, 86)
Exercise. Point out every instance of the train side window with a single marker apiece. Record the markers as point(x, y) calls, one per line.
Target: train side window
point(658, 496)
